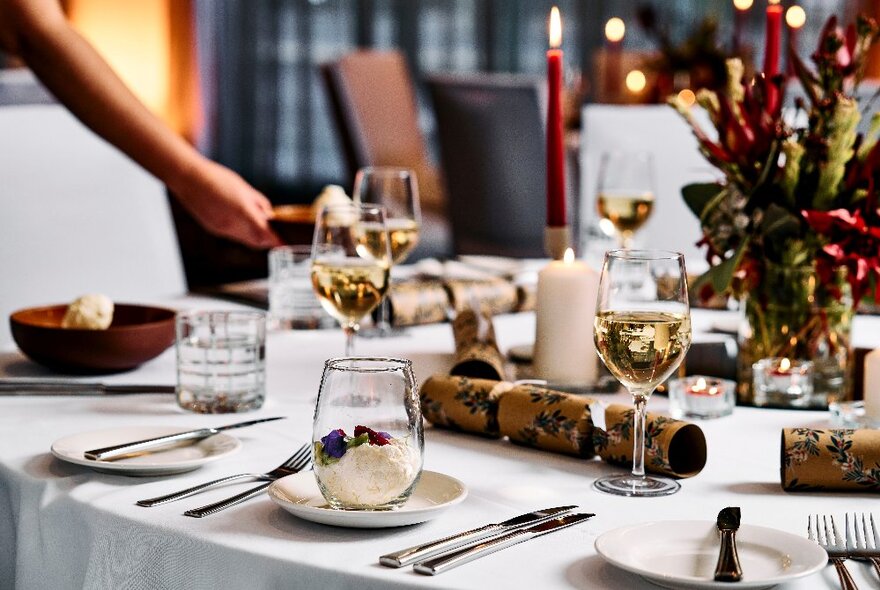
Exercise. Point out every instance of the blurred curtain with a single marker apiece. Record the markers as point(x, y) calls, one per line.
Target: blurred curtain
point(266, 114)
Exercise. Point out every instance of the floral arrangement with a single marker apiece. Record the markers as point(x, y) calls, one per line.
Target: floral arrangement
point(332, 447)
point(799, 189)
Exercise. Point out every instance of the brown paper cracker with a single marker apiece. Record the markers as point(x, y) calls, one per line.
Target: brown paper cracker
point(461, 403)
point(826, 460)
point(672, 447)
point(494, 296)
point(476, 351)
point(546, 419)
point(416, 303)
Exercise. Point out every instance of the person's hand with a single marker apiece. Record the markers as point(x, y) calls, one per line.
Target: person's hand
point(227, 206)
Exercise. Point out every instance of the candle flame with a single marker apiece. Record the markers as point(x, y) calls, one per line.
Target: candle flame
point(784, 365)
point(773, 2)
point(555, 28)
point(701, 385)
point(742, 4)
point(568, 257)
point(615, 29)
point(795, 17)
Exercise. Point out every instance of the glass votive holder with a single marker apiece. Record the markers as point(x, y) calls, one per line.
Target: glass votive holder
point(702, 397)
point(782, 382)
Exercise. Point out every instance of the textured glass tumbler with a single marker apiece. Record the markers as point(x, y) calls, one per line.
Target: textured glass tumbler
point(292, 301)
point(368, 437)
point(221, 361)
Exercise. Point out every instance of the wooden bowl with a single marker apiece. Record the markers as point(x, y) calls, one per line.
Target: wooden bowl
point(294, 224)
point(138, 333)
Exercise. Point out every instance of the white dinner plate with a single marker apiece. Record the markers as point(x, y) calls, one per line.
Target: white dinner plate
point(166, 462)
point(435, 493)
point(683, 554)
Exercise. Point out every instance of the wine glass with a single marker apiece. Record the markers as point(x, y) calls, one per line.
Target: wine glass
point(625, 196)
point(642, 333)
point(367, 436)
point(396, 190)
point(351, 259)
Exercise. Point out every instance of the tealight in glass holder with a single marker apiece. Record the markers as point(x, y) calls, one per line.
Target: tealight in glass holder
point(701, 397)
point(782, 382)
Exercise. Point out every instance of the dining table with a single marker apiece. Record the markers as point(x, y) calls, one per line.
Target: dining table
point(67, 526)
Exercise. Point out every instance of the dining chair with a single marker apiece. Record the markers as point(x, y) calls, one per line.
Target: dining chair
point(78, 217)
point(375, 111)
point(657, 129)
point(492, 146)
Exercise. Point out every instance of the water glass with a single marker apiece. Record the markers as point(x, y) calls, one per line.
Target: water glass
point(292, 301)
point(368, 437)
point(221, 361)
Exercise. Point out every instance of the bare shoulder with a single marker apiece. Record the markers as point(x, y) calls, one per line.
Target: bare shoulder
point(20, 18)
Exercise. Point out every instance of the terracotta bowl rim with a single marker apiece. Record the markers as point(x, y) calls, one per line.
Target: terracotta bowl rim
point(16, 317)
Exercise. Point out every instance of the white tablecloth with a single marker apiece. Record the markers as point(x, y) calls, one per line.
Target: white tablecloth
point(64, 526)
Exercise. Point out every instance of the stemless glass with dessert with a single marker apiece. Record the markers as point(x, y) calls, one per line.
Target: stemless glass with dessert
point(642, 333)
point(625, 196)
point(396, 190)
point(367, 436)
point(351, 259)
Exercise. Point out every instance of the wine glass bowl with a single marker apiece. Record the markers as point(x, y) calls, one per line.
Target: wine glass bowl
point(351, 260)
point(397, 191)
point(642, 333)
point(625, 196)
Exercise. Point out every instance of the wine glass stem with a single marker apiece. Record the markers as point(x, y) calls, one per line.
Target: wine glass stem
point(350, 332)
point(382, 321)
point(626, 240)
point(640, 401)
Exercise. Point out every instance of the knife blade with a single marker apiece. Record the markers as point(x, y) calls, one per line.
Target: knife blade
point(139, 446)
point(462, 555)
point(728, 568)
point(75, 388)
point(418, 552)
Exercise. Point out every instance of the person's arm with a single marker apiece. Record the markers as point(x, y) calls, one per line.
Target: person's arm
point(222, 202)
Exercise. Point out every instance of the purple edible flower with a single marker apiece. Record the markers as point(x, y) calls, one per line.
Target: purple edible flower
point(334, 443)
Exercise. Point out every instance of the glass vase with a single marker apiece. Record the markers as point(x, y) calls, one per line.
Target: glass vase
point(791, 314)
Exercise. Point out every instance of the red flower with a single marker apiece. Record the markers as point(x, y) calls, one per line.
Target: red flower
point(851, 244)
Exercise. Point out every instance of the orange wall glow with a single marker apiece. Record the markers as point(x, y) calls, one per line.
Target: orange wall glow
point(134, 36)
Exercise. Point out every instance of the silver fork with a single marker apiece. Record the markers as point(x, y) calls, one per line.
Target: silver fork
point(835, 545)
point(247, 495)
point(286, 468)
point(867, 539)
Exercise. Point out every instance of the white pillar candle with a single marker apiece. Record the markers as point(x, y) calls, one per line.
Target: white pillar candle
point(871, 386)
point(566, 308)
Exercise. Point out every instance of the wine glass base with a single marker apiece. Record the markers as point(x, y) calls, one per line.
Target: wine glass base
point(630, 485)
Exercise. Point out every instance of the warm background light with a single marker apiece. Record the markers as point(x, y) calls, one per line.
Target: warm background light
point(615, 29)
point(149, 45)
point(555, 28)
point(688, 97)
point(635, 81)
point(774, 2)
point(795, 17)
point(743, 4)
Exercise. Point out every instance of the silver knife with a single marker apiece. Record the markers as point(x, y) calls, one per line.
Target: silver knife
point(138, 446)
point(457, 557)
point(728, 568)
point(413, 554)
point(75, 388)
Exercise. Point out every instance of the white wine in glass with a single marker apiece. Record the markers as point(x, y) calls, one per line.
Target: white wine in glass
point(642, 333)
point(351, 261)
point(625, 197)
point(397, 191)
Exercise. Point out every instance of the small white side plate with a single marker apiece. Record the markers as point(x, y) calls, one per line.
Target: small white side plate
point(166, 462)
point(435, 493)
point(683, 554)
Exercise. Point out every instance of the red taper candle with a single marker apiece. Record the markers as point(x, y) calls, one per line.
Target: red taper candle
point(771, 55)
point(556, 216)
